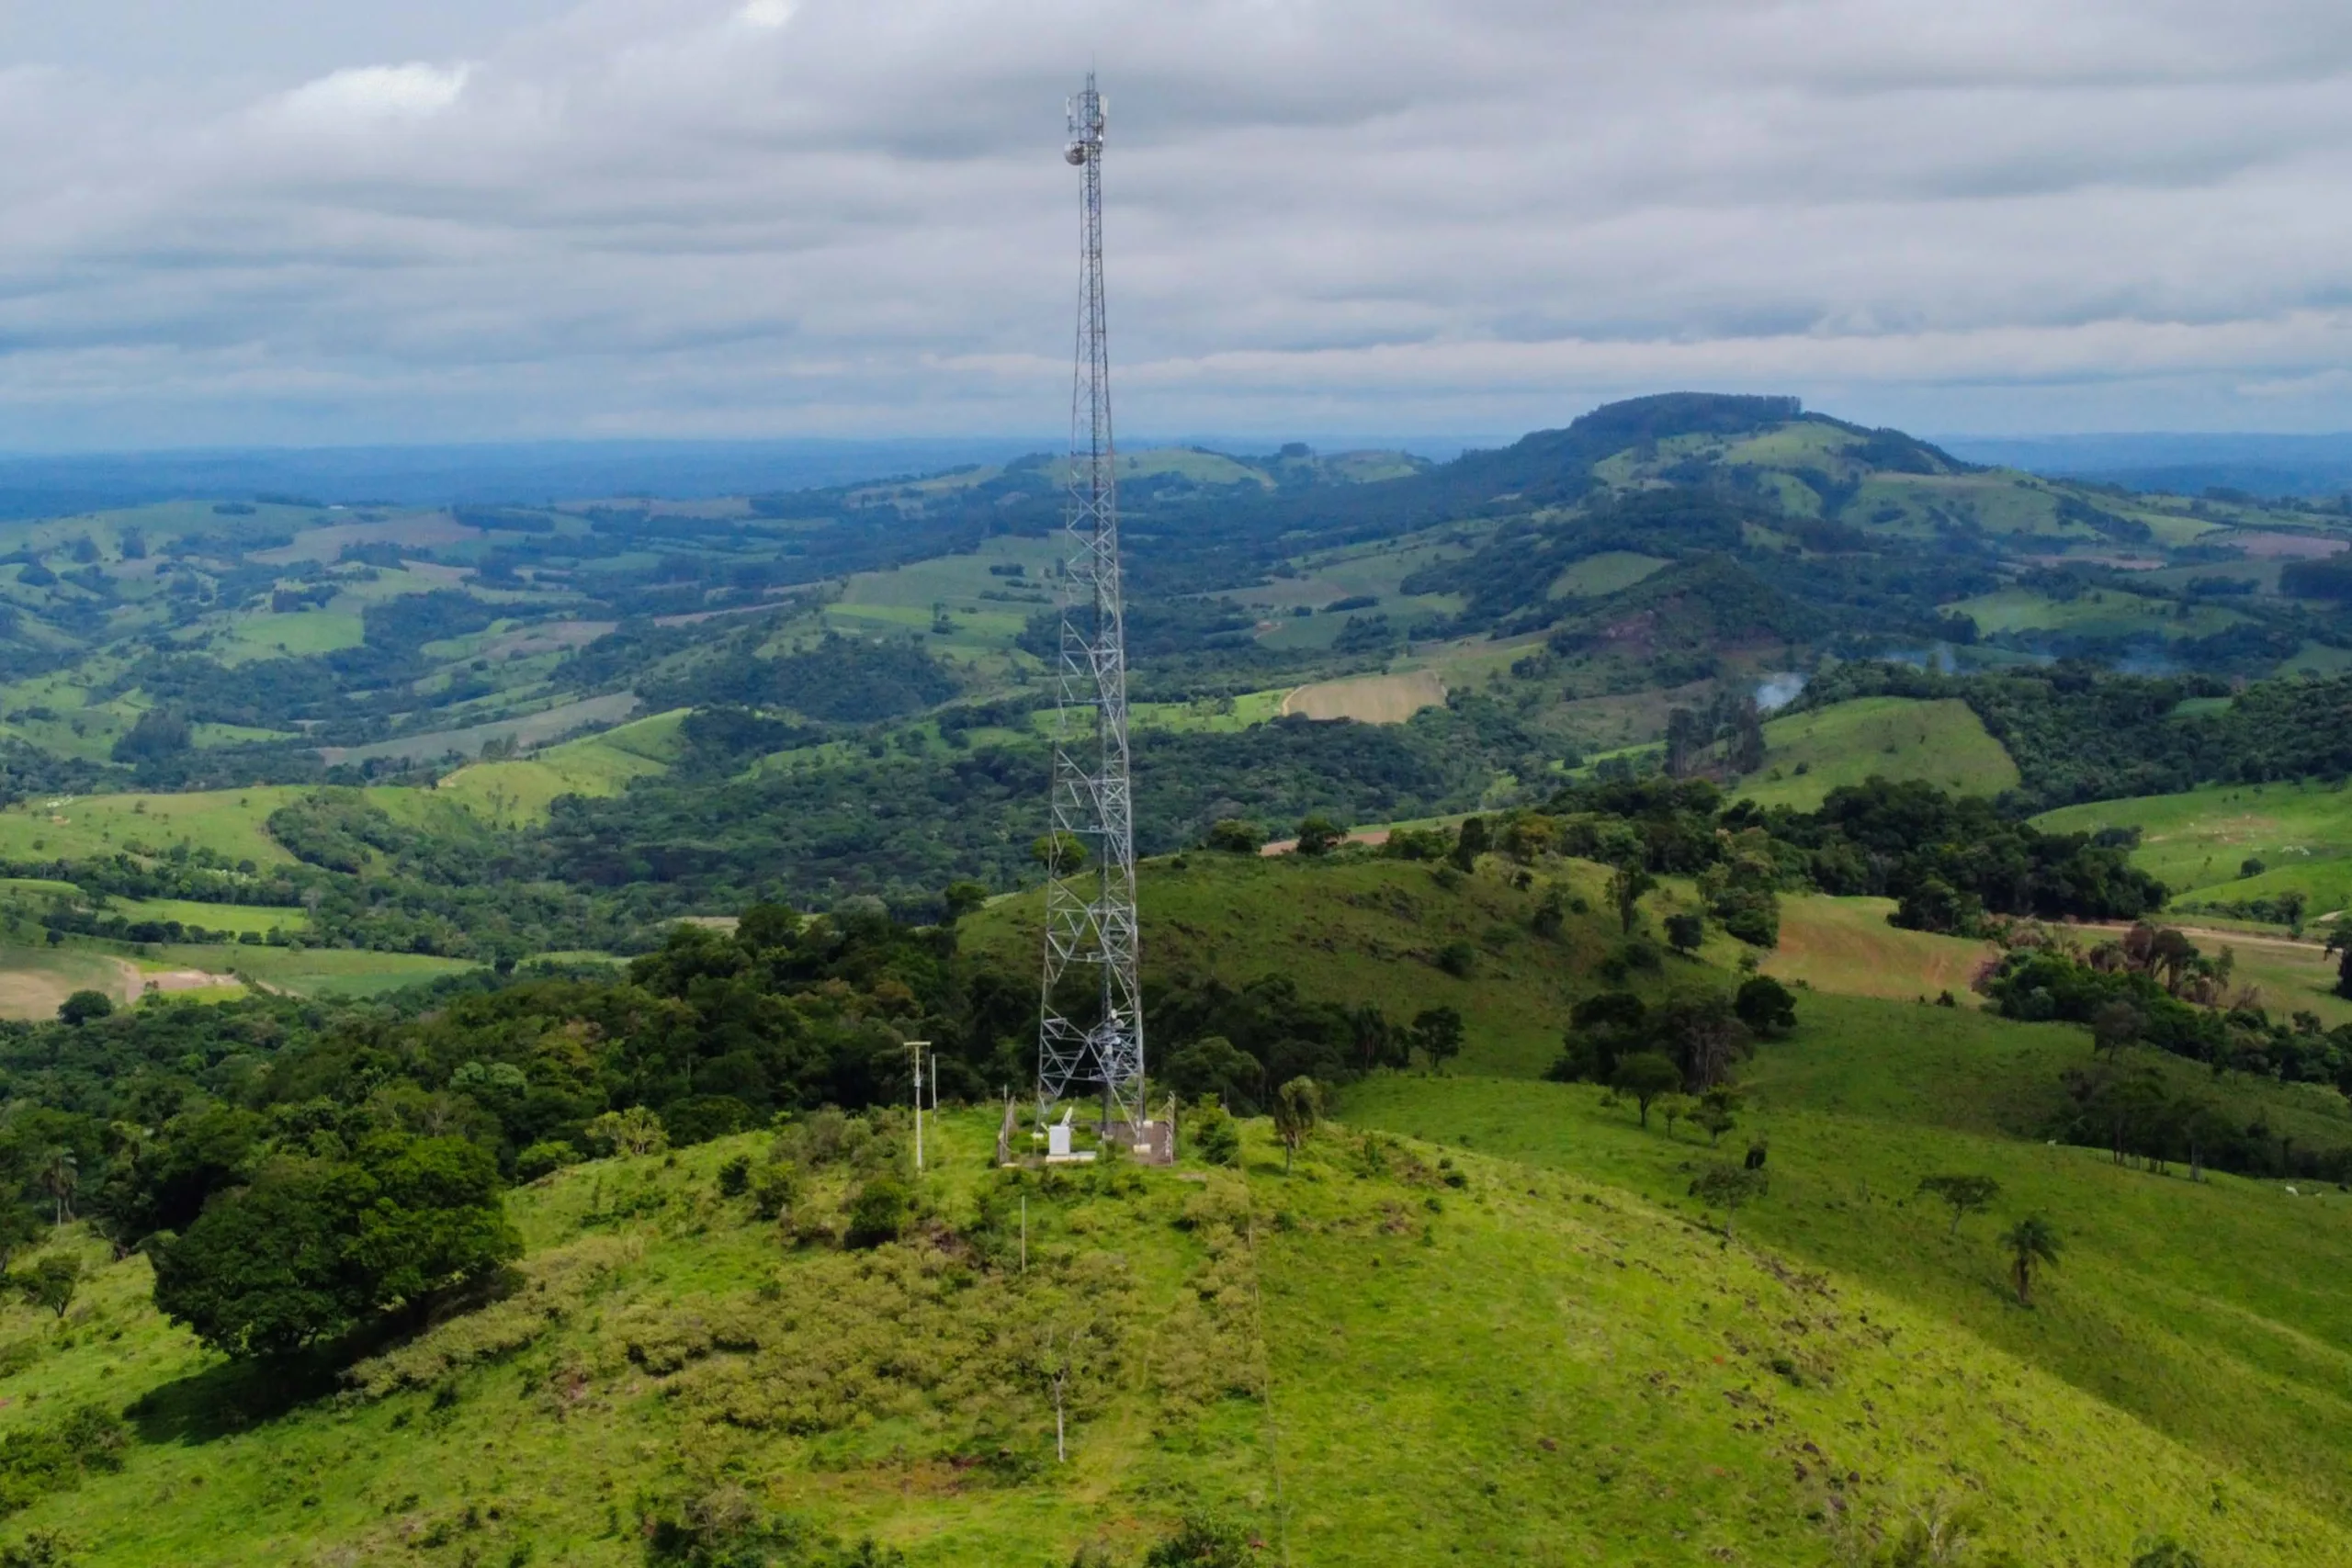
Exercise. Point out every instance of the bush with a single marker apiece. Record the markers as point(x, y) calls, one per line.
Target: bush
point(1201, 1542)
point(54, 1456)
point(1216, 1139)
point(1235, 836)
point(735, 1177)
point(776, 1189)
point(545, 1158)
point(1458, 959)
point(878, 1211)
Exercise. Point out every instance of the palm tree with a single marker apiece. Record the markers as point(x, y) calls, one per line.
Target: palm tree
point(63, 1175)
point(2032, 1240)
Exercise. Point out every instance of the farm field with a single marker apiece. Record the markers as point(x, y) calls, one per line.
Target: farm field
point(523, 730)
point(1940, 741)
point(35, 980)
point(517, 792)
point(227, 822)
point(315, 971)
point(1610, 572)
point(1369, 699)
point(2096, 613)
point(1845, 946)
point(2198, 841)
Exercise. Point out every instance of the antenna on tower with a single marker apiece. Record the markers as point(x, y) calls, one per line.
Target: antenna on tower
point(1092, 1035)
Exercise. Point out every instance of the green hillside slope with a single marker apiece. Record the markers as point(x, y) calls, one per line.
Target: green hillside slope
point(1329, 1357)
point(2199, 841)
point(1806, 755)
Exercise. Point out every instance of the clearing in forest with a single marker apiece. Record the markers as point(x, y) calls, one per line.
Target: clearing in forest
point(1371, 699)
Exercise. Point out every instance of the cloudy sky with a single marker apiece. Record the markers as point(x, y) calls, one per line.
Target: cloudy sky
point(259, 221)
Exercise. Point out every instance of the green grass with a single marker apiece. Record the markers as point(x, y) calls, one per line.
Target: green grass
point(2198, 1314)
point(316, 971)
point(1331, 1356)
point(518, 792)
point(2096, 612)
point(1598, 576)
point(1359, 928)
point(295, 636)
point(234, 918)
point(228, 822)
point(2197, 842)
point(1942, 741)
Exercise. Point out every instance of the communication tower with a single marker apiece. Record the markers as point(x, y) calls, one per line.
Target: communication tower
point(1091, 1037)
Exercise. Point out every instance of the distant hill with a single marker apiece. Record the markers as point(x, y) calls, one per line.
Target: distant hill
point(2186, 464)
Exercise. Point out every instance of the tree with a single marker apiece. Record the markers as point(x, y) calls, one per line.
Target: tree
point(20, 1227)
point(636, 1131)
point(1214, 1068)
point(2031, 1242)
point(2166, 1553)
point(1645, 1074)
point(1673, 1108)
point(84, 1006)
point(312, 1247)
point(1716, 1113)
point(60, 1176)
point(1765, 1006)
point(962, 898)
point(1706, 1035)
point(50, 1284)
point(1319, 835)
point(2172, 953)
point(1626, 886)
point(2116, 1025)
point(1684, 932)
point(1438, 1034)
point(1062, 855)
point(1725, 1185)
point(1470, 842)
point(1298, 1106)
point(1234, 836)
point(1966, 1194)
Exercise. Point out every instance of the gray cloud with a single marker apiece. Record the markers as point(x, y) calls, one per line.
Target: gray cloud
point(520, 217)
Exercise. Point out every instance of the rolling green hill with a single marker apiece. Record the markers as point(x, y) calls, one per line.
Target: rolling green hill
point(1808, 754)
point(2201, 841)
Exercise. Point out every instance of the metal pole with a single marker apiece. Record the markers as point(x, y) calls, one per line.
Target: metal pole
point(916, 1048)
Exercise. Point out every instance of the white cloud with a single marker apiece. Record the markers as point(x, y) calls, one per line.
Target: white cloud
point(415, 91)
point(707, 216)
point(767, 13)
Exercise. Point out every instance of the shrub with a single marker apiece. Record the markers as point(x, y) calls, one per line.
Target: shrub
point(735, 1177)
point(1216, 1139)
point(545, 1158)
point(54, 1456)
point(878, 1211)
point(1201, 1542)
point(1458, 959)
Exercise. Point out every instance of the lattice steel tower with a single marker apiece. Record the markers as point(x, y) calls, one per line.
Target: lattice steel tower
point(1091, 926)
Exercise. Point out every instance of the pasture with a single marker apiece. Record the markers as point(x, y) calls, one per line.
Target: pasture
point(1808, 754)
